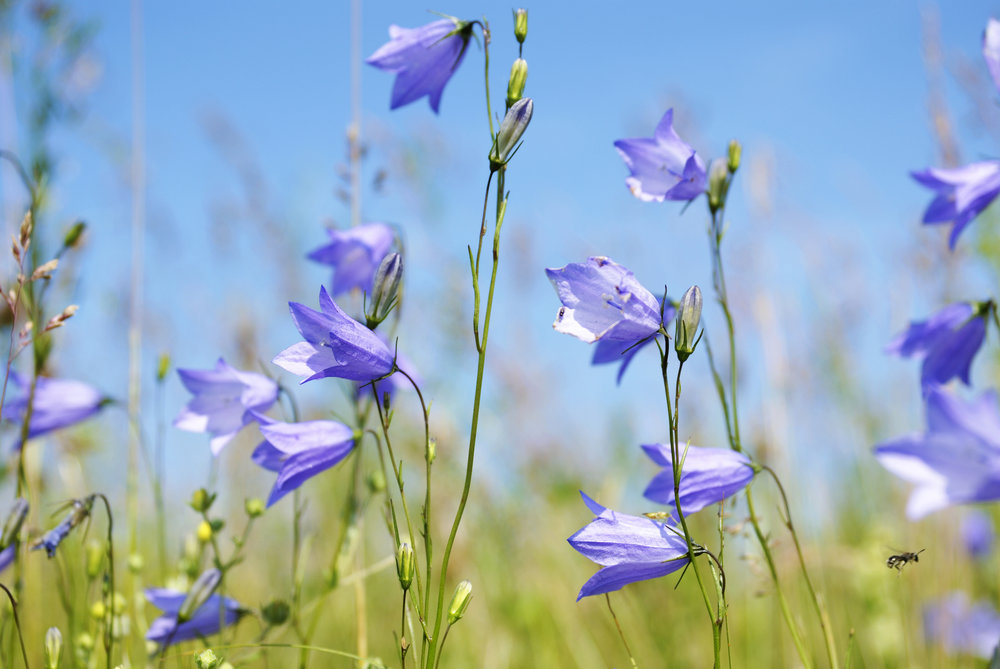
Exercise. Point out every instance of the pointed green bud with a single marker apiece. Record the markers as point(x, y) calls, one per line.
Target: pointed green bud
point(735, 153)
point(199, 593)
point(518, 77)
point(432, 447)
point(201, 500)
point(207, 659)
point(511, 128)
point(12, 526)
point(385, 294)
point(254, 507)
point(162, 366)
point(376, 482)
point(95, 557)
point(53, 648)
point(718, 184)
point(687, 319)
point(520, 25)
point(405, 565)
point(136, 563)
point(73, 234)
point(459, 602)
point(276, 612)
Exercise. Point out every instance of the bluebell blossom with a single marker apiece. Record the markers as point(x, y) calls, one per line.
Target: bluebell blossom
point(58, 403)
point(948, 341)
point(335, 345)
point(603, 301)
point(663, 167)
point(423, 59)
point(708, 476)
point(80, 509)
point(299, 451)
point(224, 401)
point(611, 351)
point(960, 193)
point(977, 533)
point(961, 627)
point(956, 461)
point(166, 630)
point(355, 254)
point(628, 548)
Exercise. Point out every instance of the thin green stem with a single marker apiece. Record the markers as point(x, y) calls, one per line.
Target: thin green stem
point(17, 624)
point(621, 633)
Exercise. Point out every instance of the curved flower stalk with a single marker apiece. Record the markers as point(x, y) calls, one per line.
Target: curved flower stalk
point(225, 400)
point(58, 403)
point(948, 341)
point(956, 461)
point(335, 345)
point(423, 59)
point(663, 167)
point(628, 548)
point(355, 254)
point(708, 476)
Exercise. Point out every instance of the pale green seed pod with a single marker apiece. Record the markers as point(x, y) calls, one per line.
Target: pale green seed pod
point(735, 153)
point(405, 565)
point(518, 78)
point(687, 320)
point(459, 602)
point(718, 183)
point(95, 557)
point(520, 25)
point(207, 659)
point(53, 648)
point(254, 507)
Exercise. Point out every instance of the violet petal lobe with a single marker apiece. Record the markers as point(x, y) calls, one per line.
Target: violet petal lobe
point(165, 630)
point(663, 167)
point(58, 403)
point(299, 451)
point(961, 193)
point(708, 476)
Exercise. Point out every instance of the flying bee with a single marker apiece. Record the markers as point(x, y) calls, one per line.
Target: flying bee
point(897, 561)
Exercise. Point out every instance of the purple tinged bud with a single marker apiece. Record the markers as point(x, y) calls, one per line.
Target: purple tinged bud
point(518, 78)
point(199, 593)
point(520, 25)
point(459, 602)
point(385, 294)
point(687, 321)
point(514, 123)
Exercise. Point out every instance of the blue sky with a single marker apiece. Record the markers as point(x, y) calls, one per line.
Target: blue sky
point(830, 102)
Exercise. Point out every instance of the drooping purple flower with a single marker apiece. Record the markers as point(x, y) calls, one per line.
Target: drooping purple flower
point(354, 254)
point(961, 193)
point(991, 49)
point(299, 451)
point(977, 533)
point(628, 548)
point(708, 476)
point(603, 301)
point(610, 350)
point(961, 627)
point(223, 402)
point(663, 167)
point(394, 383)
point(335, 345)
point(166, 630)
point(423, 59)
point(58, 403)
point(79, 511)
point(948, 340)
point(956, 461)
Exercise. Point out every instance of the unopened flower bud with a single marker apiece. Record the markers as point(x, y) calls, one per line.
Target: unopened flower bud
point(201, 500)
point(12, 526)
point(207, 659)
point(431, 451)
point(520, 25)
point(276, 612)
point(514, 123)
point(254, 507)
point(204, 532)
point(405, 565)
point(518, 77)
point(53, 648)
point(135, 563)
point(95, 557)
point(735, 153)
point(459, 602)
point(97, 610)
point(385, 294)
point(718, 184)
point(687, 319)
point(199, 593)
point(376, 482)
point(162, 366)
point(74, 234)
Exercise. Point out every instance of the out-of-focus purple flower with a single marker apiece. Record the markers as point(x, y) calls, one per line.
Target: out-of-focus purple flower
point(11, 529)
point(960, 627)
point(223, 402)
point(956, 461)
point(948, 340)
point(299, 451)
point(960, 193)
point(7, 556)
point(977, 533)
point(166, 630)
point(991, 49)
point(80, 509)
point(603, 301)
point(708, 476)
point(609, 350)
point(663, 167)
point(335, 345)
point(58, 403)
point(423, 59)
point(628, 548)
point(354, 254)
